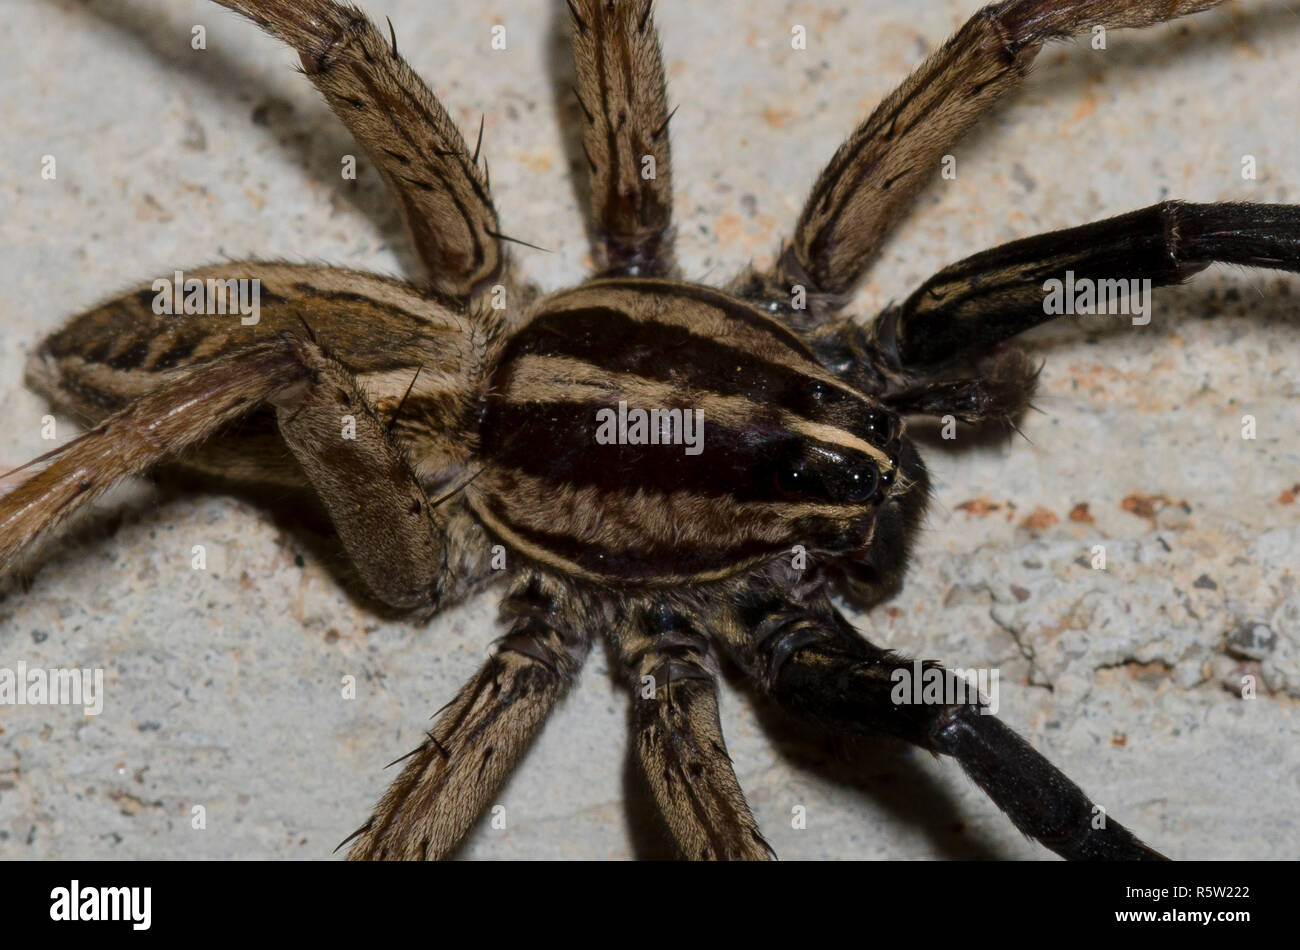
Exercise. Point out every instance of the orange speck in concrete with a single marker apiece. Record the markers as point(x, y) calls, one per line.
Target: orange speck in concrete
point(541, 161)
point(1147, 506)
point(776, 117)
point(978, 507)
point(1040, 519)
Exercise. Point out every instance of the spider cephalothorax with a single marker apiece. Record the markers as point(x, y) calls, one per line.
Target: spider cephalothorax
point(784, 452)
point(679, 468)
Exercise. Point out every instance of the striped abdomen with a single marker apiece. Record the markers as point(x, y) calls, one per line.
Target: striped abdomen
point(652, 431)
point(382, 330)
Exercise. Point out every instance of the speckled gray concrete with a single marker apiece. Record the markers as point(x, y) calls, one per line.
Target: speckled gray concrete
point(223, 687)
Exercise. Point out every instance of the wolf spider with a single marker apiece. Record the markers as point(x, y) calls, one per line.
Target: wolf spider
point(437, 427)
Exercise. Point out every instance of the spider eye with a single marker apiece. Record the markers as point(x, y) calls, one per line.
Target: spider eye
point(861, 485)
point(877, 422)
point(793, 480)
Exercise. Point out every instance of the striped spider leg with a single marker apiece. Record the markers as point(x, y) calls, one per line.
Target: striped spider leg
point(441, 192)
point(162, 390)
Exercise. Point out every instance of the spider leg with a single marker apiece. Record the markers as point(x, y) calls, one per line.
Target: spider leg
point(812, 662)
point(999, 394)
point(975, 305)
point(477, 741)
point(678, 738)
point(625, 135)
point(989, 297)
point(395, 538)
point(188, 409)
point(441, 193)
point(397, 542)
point(874, 176)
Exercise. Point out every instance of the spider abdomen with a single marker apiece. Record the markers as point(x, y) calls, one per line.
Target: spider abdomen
point(648, 430)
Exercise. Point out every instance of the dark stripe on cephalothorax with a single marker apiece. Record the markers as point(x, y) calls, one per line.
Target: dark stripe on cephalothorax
point(618, 343)
point(734, 309)
point(557, 441)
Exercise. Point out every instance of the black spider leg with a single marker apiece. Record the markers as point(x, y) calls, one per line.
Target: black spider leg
point(990, 297)
point(963, 315)
point(811, 662)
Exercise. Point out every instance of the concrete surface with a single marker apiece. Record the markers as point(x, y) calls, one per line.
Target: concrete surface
point(223, 686)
